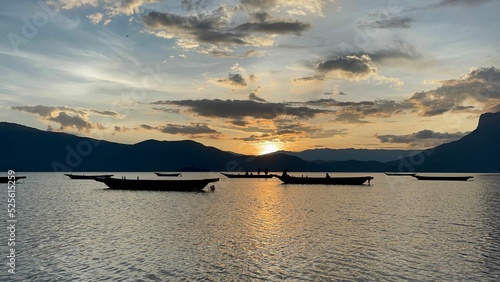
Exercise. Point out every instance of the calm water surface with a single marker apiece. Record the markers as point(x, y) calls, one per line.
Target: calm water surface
point(396, 229)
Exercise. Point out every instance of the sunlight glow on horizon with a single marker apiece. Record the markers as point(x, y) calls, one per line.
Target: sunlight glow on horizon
point(269, 147)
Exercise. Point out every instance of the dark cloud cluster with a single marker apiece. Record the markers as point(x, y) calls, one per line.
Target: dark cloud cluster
point(277, 27)
point(239, 109)
point(423, 138)
point(480, 86)
point(348, 67)
point(253, 96)
point(351, 67)
point(233, 80)
point(465, 3)
point(390, 23)
point(66, 117)
point(215, 29)
point(193, 130)
point(356, 112)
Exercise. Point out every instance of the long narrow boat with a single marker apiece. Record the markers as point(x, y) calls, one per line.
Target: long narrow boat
point(83, 176)
point(399, 174)
point(356, 180)
point(247, 175)
point(5, 179)
point(167, 174)
point(185, 185)
point(443, 178)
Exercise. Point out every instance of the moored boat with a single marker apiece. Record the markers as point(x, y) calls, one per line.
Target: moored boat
point(168, 174)
point(399, 174)
point(354, 180)
point(230, 175)
point(5, 179)
point(184, 185)
point(83, 176)
point(443, 178)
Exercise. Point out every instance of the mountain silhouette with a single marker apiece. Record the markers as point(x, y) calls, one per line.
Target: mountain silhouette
point(479, 151)
point(27, 149)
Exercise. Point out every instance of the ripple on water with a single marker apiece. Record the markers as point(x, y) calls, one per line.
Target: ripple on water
point(259, 230)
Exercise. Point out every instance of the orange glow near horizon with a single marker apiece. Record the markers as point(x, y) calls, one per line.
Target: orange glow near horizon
point(269, 147)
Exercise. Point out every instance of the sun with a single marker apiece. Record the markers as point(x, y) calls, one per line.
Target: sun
point(268, 147)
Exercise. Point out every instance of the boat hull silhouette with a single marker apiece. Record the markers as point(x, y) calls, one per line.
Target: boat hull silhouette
point(398, 174)
point(5, 179)
point(185, 185)
point(168, 174)
point(229, 175)
point(359, 180)
point(443, 178)
point(82, 176)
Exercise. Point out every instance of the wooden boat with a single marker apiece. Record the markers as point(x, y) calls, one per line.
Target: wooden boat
point(83, 176)
point(399, 174)
point(5, 179)
point(355, 180)
point(185, 185)
point(443, 178)
point(247, 175)
point(167, 174)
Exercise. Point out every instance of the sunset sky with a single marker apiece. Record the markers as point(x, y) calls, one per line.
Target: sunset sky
point(252, 76)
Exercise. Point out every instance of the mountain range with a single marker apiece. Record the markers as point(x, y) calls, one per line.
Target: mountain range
point(27, 149)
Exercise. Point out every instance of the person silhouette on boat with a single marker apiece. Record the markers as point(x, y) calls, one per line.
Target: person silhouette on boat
point(327, 175)
point(258, 171)
point(246, 173)
point(285, 173)
point(266, 171)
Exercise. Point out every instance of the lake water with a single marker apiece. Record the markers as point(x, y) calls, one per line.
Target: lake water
point(398, 228)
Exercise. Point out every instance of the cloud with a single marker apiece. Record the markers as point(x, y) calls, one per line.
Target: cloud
point(95, 18)
point(475, 92)
point(423, 138)
point(190, 5)
point(465, 3)
point(390, 23)
point(309, 78)
point(398, 50)
point(277, 27)
point(239, 109)
point(171, 111)
point(480, 87)
point(106, 113)
point(71, 4)
point(193, 130)
point(233, 80)
point(239, 122)
point(228, 53)
point(204, 30)
point(348, 117)
point(290, 7)
point(67, 117)
point(349, 67)
point(287, 131)
point(126, 7)
point(355, 111)
point(452, 3)
point(120, 129)
point(67, 121)
point(254, 97)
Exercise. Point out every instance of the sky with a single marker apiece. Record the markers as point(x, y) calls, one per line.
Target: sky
point(252, 76)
